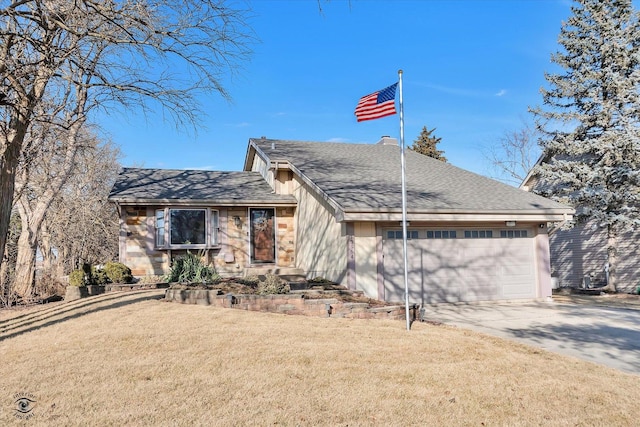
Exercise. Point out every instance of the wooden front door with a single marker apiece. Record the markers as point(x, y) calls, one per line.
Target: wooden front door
point(263, 239)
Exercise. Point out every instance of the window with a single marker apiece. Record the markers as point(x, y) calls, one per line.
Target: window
point(442, 234)
point(478, 234)
point(510, 234)
point(186, 228)
point(397, 234)
point(160, 241)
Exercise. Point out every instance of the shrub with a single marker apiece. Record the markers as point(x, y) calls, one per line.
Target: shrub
point(118, 272)
point(251, 281)
point(319, 280)
point(77, 278)
point(272, 284)
point(190, 269)
point(99, 276)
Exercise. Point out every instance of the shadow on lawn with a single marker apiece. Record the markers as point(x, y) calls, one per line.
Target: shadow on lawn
point(33, 321)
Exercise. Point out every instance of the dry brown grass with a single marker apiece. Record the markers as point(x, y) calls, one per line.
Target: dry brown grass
point(130, 359)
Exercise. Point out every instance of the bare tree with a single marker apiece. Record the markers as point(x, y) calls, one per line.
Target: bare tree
point(56, 162)
point(82, 226)
point(79, 55)
point(514, 155)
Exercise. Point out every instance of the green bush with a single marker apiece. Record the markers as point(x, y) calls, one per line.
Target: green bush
point(272, 284)
point(190, 269)
point(118, 272)
point(77, 278)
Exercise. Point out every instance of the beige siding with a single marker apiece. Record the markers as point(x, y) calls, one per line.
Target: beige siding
point(366, 257)
point(582, 251)
point(284, 182)
point(543, 264)
point(259, 165)
point(321, 241)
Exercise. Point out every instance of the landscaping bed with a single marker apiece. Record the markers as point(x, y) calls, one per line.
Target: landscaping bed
point(309, 290)
point(308, 299)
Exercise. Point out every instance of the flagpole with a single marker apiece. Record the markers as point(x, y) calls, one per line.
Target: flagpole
point(404, 207)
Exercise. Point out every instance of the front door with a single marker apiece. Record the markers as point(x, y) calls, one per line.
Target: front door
point(263, 240)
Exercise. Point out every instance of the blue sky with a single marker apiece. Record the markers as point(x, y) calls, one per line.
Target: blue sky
point(471, 68)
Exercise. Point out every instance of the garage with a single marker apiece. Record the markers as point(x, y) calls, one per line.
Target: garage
point(460, 264)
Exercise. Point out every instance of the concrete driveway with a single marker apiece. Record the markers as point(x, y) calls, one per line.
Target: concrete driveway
point(606, 335)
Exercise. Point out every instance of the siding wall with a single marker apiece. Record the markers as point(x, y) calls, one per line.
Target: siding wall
point(259, 165)
point(366, 257)
point(321, 241)
point(582, 251)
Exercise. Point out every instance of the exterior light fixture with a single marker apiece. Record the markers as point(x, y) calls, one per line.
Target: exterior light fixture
point(237, 221)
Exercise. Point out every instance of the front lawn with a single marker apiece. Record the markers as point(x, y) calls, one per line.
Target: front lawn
point(132, 359)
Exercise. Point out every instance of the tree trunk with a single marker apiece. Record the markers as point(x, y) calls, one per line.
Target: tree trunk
point(5, 286)
point(49, 260)
point(612, 253)
point(26, 262)
point(8, 167)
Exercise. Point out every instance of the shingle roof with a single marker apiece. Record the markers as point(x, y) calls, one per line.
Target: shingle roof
point(367, 177)
point(184, 186)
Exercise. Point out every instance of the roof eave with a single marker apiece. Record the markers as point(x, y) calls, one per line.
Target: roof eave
point(201, 202)
point(460, 216)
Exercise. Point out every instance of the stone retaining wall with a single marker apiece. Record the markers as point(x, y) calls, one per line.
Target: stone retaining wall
point(289, 304)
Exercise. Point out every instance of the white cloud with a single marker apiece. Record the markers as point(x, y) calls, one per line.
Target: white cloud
point(502, 92)
point(337, 140)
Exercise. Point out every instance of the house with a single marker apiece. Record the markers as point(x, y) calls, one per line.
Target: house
point(334, 210)
point(579, 254)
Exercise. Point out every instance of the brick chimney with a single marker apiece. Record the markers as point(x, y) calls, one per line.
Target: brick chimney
point(387, 140)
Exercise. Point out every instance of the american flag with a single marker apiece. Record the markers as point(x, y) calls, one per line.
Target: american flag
point(378, 104)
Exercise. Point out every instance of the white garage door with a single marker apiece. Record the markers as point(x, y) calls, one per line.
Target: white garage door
point(457, 265)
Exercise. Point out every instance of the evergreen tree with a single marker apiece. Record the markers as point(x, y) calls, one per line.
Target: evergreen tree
point(590, 120)
point(426, 144)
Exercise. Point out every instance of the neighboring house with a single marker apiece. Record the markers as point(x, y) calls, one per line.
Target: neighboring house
point(334, 210)
point(579, 254)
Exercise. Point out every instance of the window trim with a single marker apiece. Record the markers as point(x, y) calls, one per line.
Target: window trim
point(212, 228)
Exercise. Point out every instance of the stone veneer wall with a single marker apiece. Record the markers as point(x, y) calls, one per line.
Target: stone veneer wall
point(289, 304)
point(137, 249)
point(139, 254)
point(285, 237)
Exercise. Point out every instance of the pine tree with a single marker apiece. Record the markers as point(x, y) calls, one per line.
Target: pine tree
point(426, 144)
point(591, 120)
